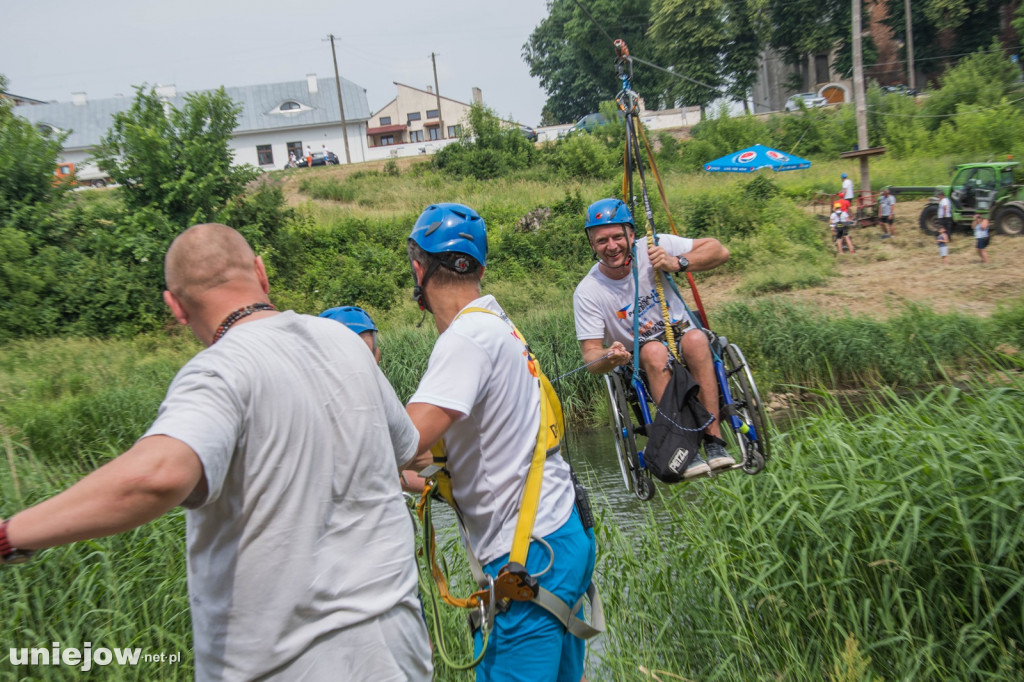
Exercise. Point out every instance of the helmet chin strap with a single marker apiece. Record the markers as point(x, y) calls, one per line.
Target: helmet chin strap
point(418, 293)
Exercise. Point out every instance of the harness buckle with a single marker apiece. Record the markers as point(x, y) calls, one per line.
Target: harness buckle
point(514, 583)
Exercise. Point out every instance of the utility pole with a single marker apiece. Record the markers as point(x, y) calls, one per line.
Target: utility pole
point(911, 74)
point(437, 93)
point(859, 99)
point(341, 104)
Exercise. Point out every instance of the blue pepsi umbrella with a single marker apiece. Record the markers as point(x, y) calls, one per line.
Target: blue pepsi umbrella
point(754, 158)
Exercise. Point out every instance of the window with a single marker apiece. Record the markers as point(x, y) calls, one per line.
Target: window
point(386, 140)
point(434, 133)
point(432, 113)
point(385, 120)
point(294, 148)
point(265, 154)
point(290, 106)
point(454, 131)
point(414, 116)
point(415, 136)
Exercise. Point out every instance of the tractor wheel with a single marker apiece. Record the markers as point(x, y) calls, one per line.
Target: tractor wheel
point(929, 220)
point(1010, 221)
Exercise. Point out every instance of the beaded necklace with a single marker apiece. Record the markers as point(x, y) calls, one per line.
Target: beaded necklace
point(236, 316)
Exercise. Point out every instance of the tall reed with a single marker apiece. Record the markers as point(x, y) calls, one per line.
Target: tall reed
point(886, 541)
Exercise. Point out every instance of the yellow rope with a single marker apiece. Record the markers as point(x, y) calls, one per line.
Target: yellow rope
point(666, 316)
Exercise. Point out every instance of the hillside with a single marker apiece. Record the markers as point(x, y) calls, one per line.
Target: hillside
point(878, 278)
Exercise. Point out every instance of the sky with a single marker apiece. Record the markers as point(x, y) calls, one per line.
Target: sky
point(51, 49)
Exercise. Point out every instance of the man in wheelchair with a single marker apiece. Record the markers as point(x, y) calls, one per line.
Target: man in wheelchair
point(606, 300)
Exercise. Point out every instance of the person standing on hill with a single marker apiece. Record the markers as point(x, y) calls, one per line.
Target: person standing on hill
point(886, 213)
point(281, 439)
point(847, 188)
point(945, 213)
point(309, 157)
point(981, 236)
point(481, 397)
point(840, 224)
point(942, 239)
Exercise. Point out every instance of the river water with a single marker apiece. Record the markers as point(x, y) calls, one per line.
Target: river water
point(593, 457)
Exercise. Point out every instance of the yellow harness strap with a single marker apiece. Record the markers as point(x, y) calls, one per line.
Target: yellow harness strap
point(549, 436)
point(514, 583)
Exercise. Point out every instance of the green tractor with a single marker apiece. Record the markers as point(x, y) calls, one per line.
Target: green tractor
point(978, 188)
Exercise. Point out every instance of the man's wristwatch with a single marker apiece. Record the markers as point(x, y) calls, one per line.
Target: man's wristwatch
point(683, 263)
point(8, 554)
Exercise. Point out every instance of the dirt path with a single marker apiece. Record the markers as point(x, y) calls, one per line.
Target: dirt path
point(884, 273)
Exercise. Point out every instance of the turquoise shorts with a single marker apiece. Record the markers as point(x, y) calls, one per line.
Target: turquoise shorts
point(528, 643)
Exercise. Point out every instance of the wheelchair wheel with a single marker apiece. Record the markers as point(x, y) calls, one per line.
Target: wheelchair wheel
point(749, 407)
point(636, 478)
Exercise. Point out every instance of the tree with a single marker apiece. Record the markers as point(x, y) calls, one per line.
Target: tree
point(690, 38)
point(742, 51)
point(176, 161)
point(28, 159)
point(948, 28)
point(982, 79)
point(574, 58)
point(488, 148)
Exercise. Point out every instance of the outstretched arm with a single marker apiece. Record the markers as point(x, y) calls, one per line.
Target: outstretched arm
point(157, 474)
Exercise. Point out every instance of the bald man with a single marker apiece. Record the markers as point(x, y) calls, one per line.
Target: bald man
point(282, 439)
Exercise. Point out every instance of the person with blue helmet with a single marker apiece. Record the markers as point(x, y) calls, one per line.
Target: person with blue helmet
point(847, 189)
point(480, 396)
point(606, 300)
point(356, 319)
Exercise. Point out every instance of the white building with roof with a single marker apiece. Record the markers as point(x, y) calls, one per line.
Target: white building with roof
point(276, 118)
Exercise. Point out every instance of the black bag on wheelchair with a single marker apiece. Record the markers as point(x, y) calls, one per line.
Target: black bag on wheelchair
point(678, 429)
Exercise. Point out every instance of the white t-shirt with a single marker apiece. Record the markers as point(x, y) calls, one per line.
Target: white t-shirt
point(847, 189)
point(304, 531)
point(839, 216)
point(945, 208)
point(478, 367)
point(604, 307)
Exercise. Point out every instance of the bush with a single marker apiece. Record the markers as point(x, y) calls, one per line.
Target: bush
point(487, 148)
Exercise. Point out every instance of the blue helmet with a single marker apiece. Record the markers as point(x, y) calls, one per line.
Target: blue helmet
point(843, 176)
point(608, 212)
point(353, 317)
point(451, 228)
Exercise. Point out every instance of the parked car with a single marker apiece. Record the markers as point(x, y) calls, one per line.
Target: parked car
point(808, 99)
point(589, 124)
point(528, 132)
point(318, 160)
point(899, 89)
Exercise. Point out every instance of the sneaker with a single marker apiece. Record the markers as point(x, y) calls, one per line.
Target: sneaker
point(886, 236)
point(698, 467)
point(717, 456)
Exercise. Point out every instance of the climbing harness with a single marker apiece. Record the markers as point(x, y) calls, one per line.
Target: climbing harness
point(513, 582)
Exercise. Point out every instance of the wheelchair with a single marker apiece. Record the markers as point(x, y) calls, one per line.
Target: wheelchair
point(741, 411)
